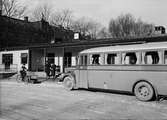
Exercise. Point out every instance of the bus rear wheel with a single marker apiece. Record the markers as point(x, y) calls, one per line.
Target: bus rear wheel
point(68, 83)
point(144, 91)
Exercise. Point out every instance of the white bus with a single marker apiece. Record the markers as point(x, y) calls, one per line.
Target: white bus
point(139, 68)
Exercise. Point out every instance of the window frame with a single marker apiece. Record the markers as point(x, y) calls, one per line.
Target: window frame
point(137, 54)
point(118, 54)
point(51, 57)
point(163, 57)
point(82, 59)
point(160, 55)
point(23, 58)
point(5, 55)
point(100, 59)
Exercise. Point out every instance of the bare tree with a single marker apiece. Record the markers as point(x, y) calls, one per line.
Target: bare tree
point(127, 25)
point(63, 18)
point(103, 33)
point(42, 11)
point(12, 8)
point(142, 28)
point(87, 27)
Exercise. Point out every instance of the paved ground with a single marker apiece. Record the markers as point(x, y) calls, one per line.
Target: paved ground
point(50, 101)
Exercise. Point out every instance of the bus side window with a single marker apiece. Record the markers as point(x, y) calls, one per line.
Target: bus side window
point(165, 57)
point(83, 60)
point(95, 59)
point(111, 59)
point(130, 58)
point(77, 60)
point(151, 57)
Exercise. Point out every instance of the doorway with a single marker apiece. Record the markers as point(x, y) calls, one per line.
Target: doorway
point(7, 60)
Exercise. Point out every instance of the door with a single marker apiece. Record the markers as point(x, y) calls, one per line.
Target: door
point(7, 59)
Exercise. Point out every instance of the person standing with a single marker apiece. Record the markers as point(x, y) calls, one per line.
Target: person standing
point(23, 72)
point(47, 69)
point(53, 69)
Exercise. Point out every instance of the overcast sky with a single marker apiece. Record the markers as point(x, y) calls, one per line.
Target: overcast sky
point(150, 11)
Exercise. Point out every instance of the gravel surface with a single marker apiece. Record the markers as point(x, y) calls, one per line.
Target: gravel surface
point(50, 101)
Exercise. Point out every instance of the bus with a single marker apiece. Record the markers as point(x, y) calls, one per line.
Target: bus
point(140, 69)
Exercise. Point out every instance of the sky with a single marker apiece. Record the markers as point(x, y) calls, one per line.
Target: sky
point(150, 11)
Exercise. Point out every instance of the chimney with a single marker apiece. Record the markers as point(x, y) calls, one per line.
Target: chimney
point(0, 7)
point(26, 18)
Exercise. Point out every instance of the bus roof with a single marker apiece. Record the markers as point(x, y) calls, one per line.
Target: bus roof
point(121, 48)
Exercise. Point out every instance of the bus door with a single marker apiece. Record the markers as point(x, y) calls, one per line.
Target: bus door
point(83, 73)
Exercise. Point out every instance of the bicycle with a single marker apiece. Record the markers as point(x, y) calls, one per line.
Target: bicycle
point(27, 79)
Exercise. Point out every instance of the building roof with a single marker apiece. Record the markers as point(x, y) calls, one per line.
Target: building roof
point(21, 33)
point(96, 43)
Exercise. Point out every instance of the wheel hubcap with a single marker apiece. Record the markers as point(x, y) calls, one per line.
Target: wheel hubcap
point(143, 91)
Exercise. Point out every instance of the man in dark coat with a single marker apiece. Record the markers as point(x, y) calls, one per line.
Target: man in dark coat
point(53, 70)
point(47, 69)
point(23, 72)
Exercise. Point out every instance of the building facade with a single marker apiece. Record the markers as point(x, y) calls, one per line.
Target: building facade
point(18, 36)
point(13, 59)
point(34, 43)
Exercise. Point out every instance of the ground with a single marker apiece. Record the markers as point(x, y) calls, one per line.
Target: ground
point(50, 101)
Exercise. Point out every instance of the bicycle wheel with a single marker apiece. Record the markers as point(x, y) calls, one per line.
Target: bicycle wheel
point(18, 78)
point(27, 79)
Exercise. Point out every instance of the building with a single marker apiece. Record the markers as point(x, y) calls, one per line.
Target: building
point(34, 43)
point(159, 30)
point(18, 36)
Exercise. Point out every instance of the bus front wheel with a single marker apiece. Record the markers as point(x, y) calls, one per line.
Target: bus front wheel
point(68, 83)
point(144, 91)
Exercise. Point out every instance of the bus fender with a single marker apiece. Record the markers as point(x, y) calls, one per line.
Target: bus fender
point(72, 75)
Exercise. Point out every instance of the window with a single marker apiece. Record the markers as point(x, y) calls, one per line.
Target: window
point(130, 58)
point(112, 59)
point(7, 58)
point(24, 57)
point(151, 57)
point(96, 59)
point(165, 57)
point(67, 59)
point(51, 57)
point(83, 60)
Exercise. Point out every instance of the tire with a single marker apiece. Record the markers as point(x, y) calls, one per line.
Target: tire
point(68, 83)
point(18, 78)
point(144, 91)
point(26, 79)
